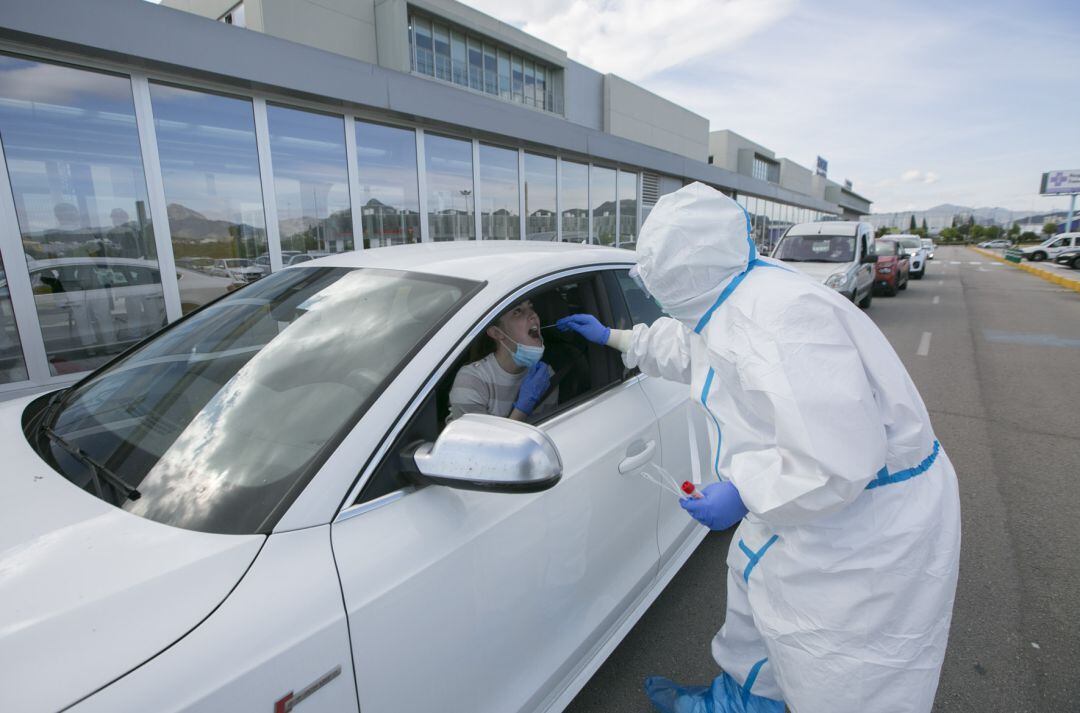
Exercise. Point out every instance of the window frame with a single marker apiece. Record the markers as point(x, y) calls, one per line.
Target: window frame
point(353, 504)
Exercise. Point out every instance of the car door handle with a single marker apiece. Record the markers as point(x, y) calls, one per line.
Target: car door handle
point(630, 462)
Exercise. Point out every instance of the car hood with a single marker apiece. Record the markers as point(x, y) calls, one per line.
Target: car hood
point(88, 591)
point(819, 270)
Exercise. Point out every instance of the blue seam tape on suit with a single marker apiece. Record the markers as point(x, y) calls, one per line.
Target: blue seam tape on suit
point(755, 557)
point(750, 679)
point(884, 477)
point(719, 435)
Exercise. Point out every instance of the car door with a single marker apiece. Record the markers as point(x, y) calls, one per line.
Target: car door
point(489, 602)
point(676, 414)
point(865, 271)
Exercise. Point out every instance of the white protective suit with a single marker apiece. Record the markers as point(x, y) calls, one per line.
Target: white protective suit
point(842, 576)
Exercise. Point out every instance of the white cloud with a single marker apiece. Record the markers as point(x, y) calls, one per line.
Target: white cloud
point(914, 175)
point(640, 38)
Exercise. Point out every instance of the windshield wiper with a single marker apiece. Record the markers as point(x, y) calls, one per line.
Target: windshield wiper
point(99, 471)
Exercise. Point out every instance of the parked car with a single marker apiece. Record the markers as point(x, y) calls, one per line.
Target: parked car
point(892, 270)
point(928, 245)
point(1050, 247)
point(998, 243)
point(239, 270)
point(912, 245)
point(263, 503)
point(1070, 258)
point(837, 253)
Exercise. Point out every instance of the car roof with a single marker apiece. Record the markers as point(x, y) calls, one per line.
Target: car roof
point(827, 227)
point(497, 262)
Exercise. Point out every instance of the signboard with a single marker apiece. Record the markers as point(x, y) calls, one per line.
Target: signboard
point(822, 166)
point(1059, 182)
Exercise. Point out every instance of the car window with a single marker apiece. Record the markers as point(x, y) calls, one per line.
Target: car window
point(816, 248)
point(221, 419)
point(581, 371)
point(641, 307)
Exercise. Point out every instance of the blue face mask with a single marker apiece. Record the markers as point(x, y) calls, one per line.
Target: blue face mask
point(523, 354)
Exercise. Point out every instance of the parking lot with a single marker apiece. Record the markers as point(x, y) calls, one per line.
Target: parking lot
point(993, 351)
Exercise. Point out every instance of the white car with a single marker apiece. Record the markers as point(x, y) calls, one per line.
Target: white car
point(239, 270)
point(262, 504)
point(998, 243)
point(928, 245)
point(837, 253)
point(1052, 247)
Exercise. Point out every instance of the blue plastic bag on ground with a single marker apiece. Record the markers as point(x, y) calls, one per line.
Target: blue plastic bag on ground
point(723, 696)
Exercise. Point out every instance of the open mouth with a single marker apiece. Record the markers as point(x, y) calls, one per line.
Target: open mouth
point(534, 332)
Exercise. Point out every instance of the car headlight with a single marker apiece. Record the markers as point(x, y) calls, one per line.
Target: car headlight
point(836, 281)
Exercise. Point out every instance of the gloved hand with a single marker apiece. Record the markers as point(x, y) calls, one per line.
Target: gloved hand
point(587, 326)
point(536, 382)
point(719, 508)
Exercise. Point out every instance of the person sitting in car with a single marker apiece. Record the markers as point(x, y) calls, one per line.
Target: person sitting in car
point(511, 380)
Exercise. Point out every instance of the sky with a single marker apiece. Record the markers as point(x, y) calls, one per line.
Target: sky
point(918, 103)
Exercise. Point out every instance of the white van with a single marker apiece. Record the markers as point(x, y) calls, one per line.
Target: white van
point(836, 253)
point(1050, 247)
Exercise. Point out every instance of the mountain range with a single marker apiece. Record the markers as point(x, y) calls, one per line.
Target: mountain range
point(941, 216)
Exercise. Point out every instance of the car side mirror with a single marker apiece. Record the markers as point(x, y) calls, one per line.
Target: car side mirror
point(869, 259)
point(487, 453)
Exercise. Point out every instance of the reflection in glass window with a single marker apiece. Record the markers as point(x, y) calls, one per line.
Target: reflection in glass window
point(499, 216)
point(388, 184)
point(459, 59)
point(476, 65)
point(441, 40)
point(627, 209)
point(77, 179)
point(504, 75)
point(530, 84)
point(425, 55)
point(12, 366)
point(518, 79)
point(311, 182)
point(210, 167)
point(541, 83)
point(602, 196)
point(491, 72)
point(574, 189)
point(448, 163)
point(539, 197)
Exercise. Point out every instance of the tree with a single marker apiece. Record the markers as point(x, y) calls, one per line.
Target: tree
point(882, 231)
point(949, 234)
point(925, 229)
point(911, 228)
point(1014, 231)
point(978, 232)
point(1050, 228)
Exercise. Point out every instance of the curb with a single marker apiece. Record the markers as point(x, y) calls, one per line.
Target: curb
point(1066, 282)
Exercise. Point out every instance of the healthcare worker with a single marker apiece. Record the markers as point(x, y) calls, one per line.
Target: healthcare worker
point(842, 573)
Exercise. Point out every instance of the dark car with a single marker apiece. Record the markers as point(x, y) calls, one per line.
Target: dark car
point(1070, 258)
point(891, 273)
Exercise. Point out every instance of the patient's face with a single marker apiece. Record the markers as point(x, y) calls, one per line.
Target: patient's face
point(521, 324)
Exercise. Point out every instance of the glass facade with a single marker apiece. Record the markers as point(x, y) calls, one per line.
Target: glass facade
point(311, 182)
point(388, 184)
point(76, 172)
point(540, 202)
point(764, 170)
point(628, 203)
point(82, 201)
point(770, 219)
point(574, 189)
point(450, 196)
point(443, 53)
point(602, 198)
point(210, 168)
point(500, 218)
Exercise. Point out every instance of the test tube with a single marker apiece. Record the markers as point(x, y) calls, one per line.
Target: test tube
point(690, 490)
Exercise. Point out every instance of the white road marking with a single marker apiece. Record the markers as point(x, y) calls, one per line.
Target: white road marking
point(955, 262)
point(936, 299)
point(974, 263)
point(940, 283)
point(924, 344)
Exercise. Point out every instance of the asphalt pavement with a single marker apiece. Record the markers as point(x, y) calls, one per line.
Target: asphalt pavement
point(994, 352)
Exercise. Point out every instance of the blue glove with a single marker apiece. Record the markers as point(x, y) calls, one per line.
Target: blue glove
point(719, 508)
point(587, 326)
point(536, 382)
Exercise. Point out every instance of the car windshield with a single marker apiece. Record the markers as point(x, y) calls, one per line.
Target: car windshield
point(884, 248)
point(816, 248)
point(913, 243)
point(220, 420)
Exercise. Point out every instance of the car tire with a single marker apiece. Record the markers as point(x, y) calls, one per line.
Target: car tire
point(903, 286)
point(1038, 256)
point(916, 275)
point(893, 291)
point(865, 302)
point(1075, 264)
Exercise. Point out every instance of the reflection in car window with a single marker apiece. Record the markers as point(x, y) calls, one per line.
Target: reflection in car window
point(643, 309)
point(219, 420)
point(816, 248)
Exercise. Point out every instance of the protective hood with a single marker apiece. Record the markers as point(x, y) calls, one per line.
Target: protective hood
point(694, 242)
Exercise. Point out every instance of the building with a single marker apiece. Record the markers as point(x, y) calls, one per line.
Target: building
point(158, 157)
